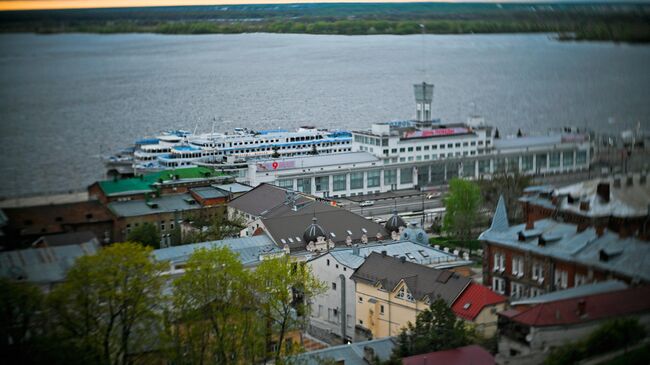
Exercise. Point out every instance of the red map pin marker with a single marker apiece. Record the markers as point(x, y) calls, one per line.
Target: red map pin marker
point(275, 165)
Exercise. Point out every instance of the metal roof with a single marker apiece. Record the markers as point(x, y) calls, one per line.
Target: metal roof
point(233, 188)
point(466, 355)
point(260, 199)
point(578, 291)
point(473, 299)
point(500, 219)
point(43, 265)
point(249, 249)
point(208, 192)
point(350, 354)
point(353, 257)
point(586, 308)
point(163, 204)
point(627, 256)
point(421, 280)
point(143, 183)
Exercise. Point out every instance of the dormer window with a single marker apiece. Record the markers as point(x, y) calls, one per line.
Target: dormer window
point(405, 294)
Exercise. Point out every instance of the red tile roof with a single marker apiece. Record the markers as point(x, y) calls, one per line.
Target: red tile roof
point(595, 307)
point(473, 354)
point(478, 297)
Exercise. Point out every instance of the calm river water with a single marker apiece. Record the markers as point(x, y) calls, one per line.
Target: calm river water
point(67, 99)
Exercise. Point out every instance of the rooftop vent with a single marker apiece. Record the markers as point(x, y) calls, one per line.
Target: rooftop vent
point(152, 205)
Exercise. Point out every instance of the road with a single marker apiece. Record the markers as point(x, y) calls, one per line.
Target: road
point(383, 208)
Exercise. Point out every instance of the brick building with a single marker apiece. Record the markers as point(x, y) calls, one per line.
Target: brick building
point(620, 204)
point(26, 224)
point(530, 259)
point(165, 212)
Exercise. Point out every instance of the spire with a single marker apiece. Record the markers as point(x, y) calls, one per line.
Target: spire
point(500, 219)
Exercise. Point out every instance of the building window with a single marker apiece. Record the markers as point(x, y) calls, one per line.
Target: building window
point(535, 291)
point(406, 175)
point(304, 185)
point(328, 262)
point(554, 159)
point(381, 309)
point(484, 166)
point(374, 179)
point(339, 182)
point(518, 266)
point(322, 183)
point(333, 286)
point(499, 285)
point(405, 294)
point(402, 149)
point(499, 262)
point(410, 149)
point(285, 183)
point(360, 299)
point(171, 224)
point(162, 225)
point(540, 161)
point(538, 272)
point(581, 157)
point(567, 159)
point(356, 180)
point(418, 148)
point(426, 148)
point(516, 290)
point(526, 163)
point(561, 279)
point(579, 279)
point(390, 177)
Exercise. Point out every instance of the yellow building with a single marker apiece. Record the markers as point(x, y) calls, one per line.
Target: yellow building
point(391, 291)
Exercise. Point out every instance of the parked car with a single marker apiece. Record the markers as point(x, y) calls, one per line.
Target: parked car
point(367, 203)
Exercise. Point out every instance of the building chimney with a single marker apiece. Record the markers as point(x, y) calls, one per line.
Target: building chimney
point(530, 224)
point(384, 253)
point(629, 181)
point(582, 307)
point(603, 191)
point(617, 182)
point(642, 178)
point(582, 226)
point(584, 205)
point(402, 259)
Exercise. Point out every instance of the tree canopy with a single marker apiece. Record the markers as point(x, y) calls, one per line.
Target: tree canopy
point(146, 234)
point(462, 208)
point(435, 329)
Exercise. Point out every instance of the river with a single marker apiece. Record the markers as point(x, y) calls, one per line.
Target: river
point(67, 99)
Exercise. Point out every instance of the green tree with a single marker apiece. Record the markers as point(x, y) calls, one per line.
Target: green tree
point(146, 234)
point(110, 302)
point(435, 329)
point(20, 305)
point(216, 318)
point(462, 209)
point(285, 287)
point(214, 228)
point(511, 186)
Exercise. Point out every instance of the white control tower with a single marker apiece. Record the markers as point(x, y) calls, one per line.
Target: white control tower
point(423, 101)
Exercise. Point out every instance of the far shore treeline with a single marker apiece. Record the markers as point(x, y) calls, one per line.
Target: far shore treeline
point(619, 22)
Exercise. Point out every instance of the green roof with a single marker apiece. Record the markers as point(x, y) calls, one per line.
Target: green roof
point(144, 183)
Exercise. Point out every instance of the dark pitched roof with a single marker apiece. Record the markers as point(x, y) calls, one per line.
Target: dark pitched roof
point(472, 354)
point(262, 198)
point(473, 299)
point(421, 280)
point(63, 239)
point(594, 307)
point(286, 223)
